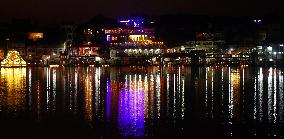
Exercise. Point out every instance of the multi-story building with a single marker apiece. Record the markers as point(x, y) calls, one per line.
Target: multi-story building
point(132, 39)
point(87, 46)
point(272, 54)
point(85, 54)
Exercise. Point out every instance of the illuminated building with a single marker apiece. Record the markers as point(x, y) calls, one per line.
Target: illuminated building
point(272, 54)
point(88, 45)
point(133, 39)
point(13, 59)
point(206, 41)
point(88, 54)
point(84, 50)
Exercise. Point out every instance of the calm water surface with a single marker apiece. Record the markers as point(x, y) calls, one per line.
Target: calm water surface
point(141, 102)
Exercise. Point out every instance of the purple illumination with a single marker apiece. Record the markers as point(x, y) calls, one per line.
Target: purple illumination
point(133, 22)
point(124, 21)
point(108, 100)
point(108, 38)
point(131, 110)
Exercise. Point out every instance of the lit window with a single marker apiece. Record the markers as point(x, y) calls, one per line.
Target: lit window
point(35, 36)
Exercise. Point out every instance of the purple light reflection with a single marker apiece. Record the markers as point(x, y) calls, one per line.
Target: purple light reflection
point(131, 108)
point(108, 100)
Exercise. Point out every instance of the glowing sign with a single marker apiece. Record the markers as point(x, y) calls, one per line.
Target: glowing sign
point(136, 25)
point(133, 22)
point(108, 38)
point(138, 37)
point(127, 21)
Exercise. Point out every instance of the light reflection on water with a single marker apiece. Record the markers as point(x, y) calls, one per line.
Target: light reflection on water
point(131, 107)
point(148, 101)
point(13, 89)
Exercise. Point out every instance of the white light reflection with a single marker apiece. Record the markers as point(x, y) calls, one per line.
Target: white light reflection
point(158, 91)
point(281, 96)
point(274, 96)
point(206, 89)
point(69, 89)
point(151, 96)
point(168, 94)
point(270, 95)
point(48, 88)
point(182, 100)
point(260, 97)
point(97, 90)
point(254, 99)
point(179, 87)
point(230, 98)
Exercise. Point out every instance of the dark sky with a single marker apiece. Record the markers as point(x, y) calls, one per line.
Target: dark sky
point(82, 10)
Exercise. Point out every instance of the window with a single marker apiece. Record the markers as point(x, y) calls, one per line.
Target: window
point(35, 36)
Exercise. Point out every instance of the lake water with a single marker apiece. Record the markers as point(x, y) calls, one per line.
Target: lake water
point(141, 102)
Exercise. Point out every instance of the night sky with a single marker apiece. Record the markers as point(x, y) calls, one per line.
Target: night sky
point(82, 10)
